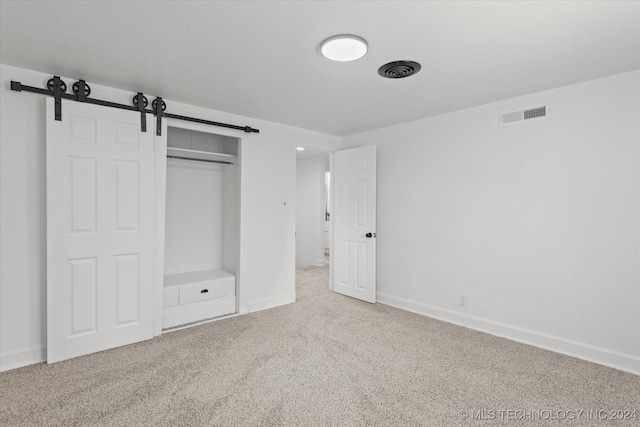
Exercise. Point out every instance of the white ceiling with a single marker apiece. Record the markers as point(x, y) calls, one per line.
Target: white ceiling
point(261, 59)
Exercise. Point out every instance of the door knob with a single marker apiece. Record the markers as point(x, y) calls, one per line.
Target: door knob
point(368, 235)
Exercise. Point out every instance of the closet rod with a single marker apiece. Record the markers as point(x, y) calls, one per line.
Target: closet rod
point(200, 160)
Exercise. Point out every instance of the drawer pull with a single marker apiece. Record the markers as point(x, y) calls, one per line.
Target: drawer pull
point(204, 291)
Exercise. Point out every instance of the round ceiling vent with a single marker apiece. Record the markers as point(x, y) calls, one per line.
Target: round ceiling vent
point(399, 69)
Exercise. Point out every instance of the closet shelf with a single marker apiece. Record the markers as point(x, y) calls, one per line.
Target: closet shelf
point(200, 155)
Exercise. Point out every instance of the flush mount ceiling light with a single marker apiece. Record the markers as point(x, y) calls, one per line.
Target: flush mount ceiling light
point(344, 47)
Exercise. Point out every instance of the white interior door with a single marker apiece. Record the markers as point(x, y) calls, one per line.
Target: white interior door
point(100, 222)
point(354, 222)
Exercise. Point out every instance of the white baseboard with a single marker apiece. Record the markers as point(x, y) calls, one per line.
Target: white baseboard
point(624, 362)
point(263, 304)
point(23, 357)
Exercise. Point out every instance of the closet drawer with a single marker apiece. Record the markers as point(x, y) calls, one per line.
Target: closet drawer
point(210, 289)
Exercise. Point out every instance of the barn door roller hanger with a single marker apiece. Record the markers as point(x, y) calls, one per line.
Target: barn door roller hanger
point(57, 88)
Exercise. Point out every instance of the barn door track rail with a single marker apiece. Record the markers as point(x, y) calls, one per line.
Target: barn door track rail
point(57, 88)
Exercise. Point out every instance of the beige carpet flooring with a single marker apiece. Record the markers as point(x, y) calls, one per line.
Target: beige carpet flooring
point(325, 360)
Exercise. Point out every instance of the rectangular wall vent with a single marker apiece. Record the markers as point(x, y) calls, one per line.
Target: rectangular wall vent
point(525, 115)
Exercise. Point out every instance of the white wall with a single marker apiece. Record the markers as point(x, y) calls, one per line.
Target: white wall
point(267, 177)
point(194, 217)
point(537, 224)
point(230, 232)
point(310, 195)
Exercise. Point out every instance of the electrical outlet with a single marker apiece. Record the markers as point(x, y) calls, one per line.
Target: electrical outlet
point(462, 300)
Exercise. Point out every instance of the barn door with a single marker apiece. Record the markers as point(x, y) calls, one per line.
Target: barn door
point(100, 222)
point(354, 216)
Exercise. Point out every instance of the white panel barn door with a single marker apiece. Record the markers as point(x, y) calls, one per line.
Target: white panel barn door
point(100, 226)
point(354, 216)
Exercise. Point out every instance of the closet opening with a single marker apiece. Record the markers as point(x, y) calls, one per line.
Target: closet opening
point(201, 249)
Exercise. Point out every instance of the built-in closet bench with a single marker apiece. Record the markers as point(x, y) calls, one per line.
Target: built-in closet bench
point(198, 295)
